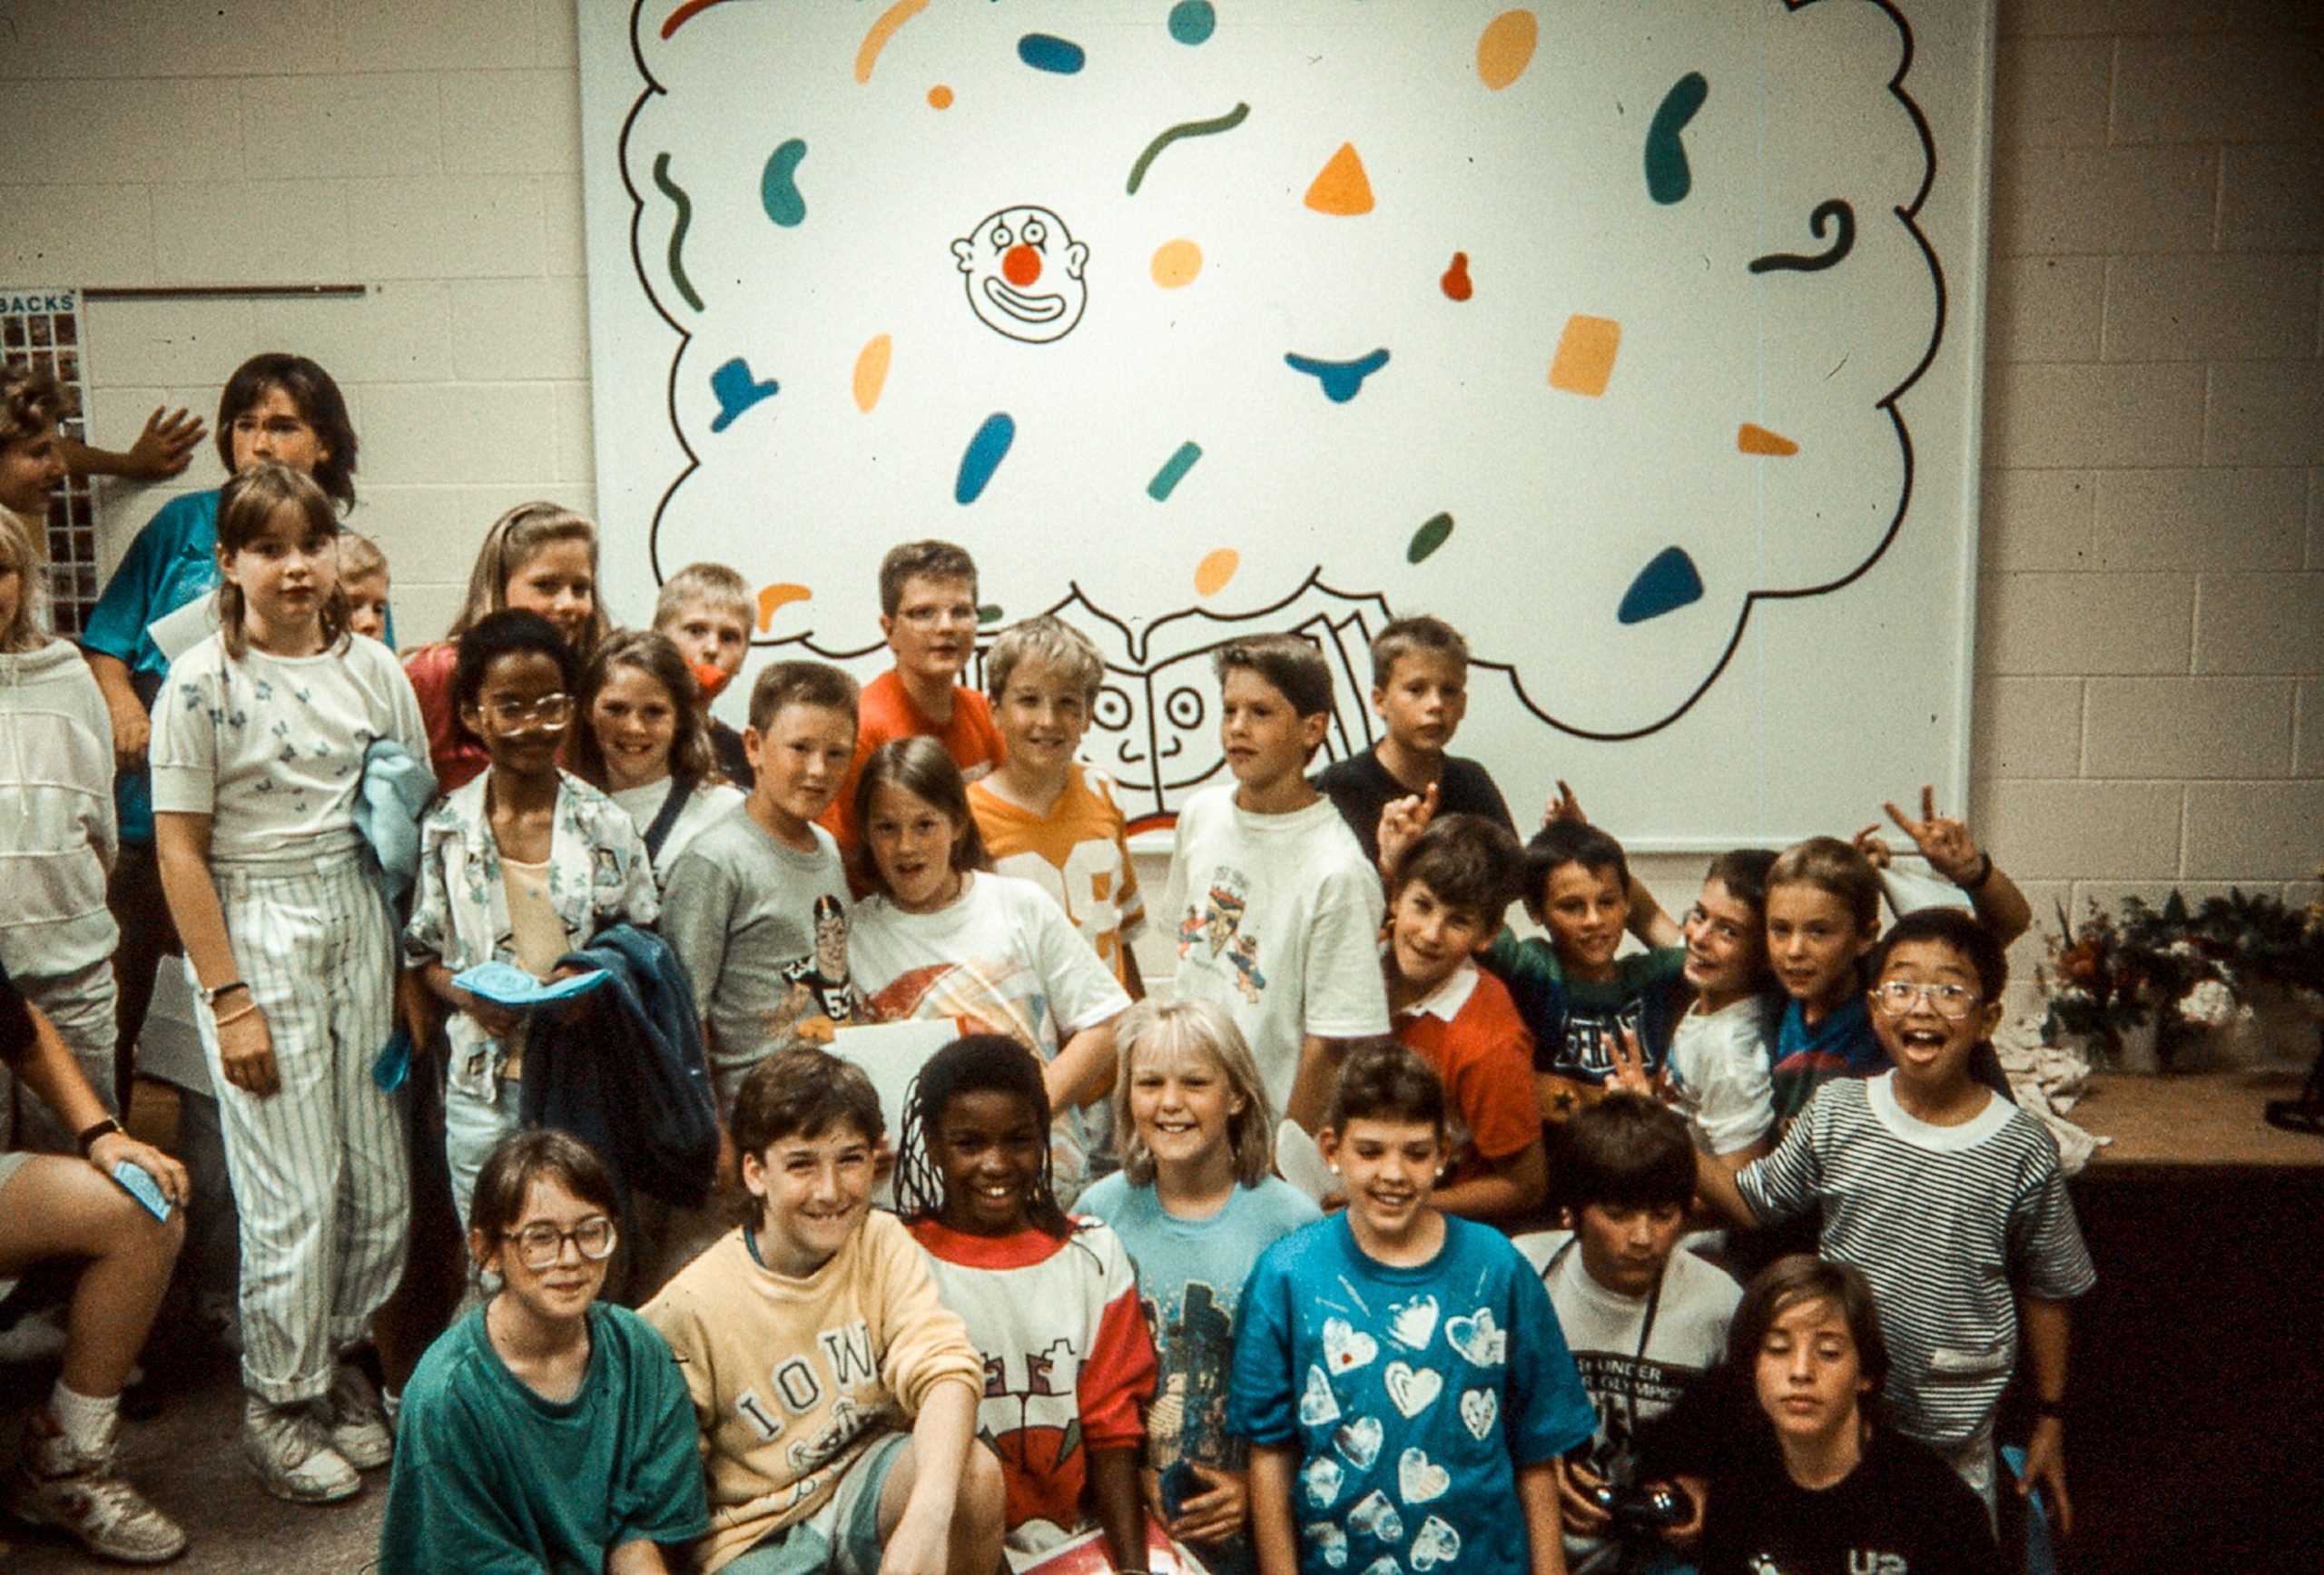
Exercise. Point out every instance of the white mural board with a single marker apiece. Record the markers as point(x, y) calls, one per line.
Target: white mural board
point(1639, 340)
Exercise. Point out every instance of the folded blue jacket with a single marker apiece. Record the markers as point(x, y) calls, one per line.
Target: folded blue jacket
point(623, 1068)
point(397, 790)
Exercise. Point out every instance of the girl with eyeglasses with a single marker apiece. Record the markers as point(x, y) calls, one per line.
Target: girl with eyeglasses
point(261, 731)
point(545, 1430)
point(520, 866)
point(538, 558)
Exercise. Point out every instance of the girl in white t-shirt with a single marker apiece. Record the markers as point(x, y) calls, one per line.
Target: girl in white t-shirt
point(643, 740)
point(1718, 1048)
point(260, 734)
point(942, 936)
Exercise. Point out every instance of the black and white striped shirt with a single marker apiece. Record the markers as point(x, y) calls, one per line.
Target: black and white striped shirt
point(1948, 1223)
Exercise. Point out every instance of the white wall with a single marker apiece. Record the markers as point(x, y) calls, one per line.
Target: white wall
point(2150, 704)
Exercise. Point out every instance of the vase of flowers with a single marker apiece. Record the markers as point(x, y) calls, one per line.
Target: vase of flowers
point(2188, 975)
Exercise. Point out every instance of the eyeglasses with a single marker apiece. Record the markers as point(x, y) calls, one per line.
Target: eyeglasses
point(539, 1247)
point(548, 710)
point(1949, 1001)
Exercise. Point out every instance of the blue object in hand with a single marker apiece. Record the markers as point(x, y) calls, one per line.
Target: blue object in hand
point(138, 1184)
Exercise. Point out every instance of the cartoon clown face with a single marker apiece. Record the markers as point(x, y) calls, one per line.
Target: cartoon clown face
point(1024, 274)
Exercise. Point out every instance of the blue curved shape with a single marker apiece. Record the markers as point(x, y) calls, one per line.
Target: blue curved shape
point(779, 185)
point(982, 455)
point(1342, 380)
point(1668, 177)
point(1047, 52)
point(1664, 585)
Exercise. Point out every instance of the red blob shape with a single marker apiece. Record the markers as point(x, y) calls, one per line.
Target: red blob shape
point(1455, 282)
point(1021, 265)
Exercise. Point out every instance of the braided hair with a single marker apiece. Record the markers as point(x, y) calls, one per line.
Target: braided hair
point(973, 1064)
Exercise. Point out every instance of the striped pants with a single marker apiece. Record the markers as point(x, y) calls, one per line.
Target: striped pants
point(318, 1167)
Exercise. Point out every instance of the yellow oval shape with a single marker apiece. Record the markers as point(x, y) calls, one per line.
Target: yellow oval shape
point(773, 598)
point(1176, 263)
point(1216, 569)
point(872, 371)
point(1506, 48)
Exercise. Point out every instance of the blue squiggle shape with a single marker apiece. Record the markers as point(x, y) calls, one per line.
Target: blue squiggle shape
point(684, 205)
point(1342, 380)
point(1811, 263)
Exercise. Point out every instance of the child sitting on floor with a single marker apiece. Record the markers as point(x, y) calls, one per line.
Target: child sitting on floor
point(836, 1395)
point(1052, 1304)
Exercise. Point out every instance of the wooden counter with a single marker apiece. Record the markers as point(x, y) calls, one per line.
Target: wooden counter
point(2200, 1118)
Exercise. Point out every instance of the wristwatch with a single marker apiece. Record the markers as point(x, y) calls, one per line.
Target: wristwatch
point(89, 1134)
point(209, 998)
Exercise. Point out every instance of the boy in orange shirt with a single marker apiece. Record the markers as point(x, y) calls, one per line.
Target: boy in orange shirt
point(1446, 900)
point(1043, 815)
point(928, 612)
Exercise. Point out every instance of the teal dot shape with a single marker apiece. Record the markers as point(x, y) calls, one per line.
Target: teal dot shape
point(983, 457)
point(1670, 581)
point(1435, 533)
point(778, 185)
point(1191, 21)
point(1668, 177)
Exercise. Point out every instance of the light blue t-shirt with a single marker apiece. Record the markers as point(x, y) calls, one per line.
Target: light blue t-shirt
point(1190, 1274)
point(1410, 1394)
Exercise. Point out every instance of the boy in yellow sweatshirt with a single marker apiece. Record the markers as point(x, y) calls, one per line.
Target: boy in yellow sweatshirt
point(810, 1340)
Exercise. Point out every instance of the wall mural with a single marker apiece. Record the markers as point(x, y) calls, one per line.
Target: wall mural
point(1615, 332)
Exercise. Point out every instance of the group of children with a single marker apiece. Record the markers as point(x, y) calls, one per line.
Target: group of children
point(1092, 1266)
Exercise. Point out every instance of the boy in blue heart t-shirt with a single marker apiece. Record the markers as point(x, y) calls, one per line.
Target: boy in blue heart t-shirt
point(1399, 1373)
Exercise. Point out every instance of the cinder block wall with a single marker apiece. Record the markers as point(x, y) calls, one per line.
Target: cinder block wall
point(2149, 701)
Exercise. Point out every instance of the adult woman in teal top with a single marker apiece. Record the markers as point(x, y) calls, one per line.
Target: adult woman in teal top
point(275, 406)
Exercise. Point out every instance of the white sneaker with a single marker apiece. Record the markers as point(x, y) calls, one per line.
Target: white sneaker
point(287, 1447)
point(355, 1421)
point(54, 1484)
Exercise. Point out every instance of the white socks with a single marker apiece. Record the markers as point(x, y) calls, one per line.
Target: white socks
point(88, 1425)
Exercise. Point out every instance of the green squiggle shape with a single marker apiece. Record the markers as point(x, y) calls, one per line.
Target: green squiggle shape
point(671, 189)
point(1226, 123)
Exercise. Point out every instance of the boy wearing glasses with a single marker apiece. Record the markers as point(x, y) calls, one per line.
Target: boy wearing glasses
point(1947, 1197)
point(521, 865)
point(927, 613)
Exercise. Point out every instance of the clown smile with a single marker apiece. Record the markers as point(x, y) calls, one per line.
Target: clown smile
point(1024, 308)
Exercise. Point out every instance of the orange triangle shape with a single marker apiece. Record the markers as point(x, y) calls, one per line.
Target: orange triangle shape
point(1341, 186)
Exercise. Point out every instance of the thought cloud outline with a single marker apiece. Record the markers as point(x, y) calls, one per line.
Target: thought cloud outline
point(1544, 707)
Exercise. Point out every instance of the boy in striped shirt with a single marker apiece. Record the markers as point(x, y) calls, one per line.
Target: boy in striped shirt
point(1948, 1198)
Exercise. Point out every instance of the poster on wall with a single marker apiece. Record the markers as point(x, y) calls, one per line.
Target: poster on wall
point(1640, 341)
point(41, 327)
